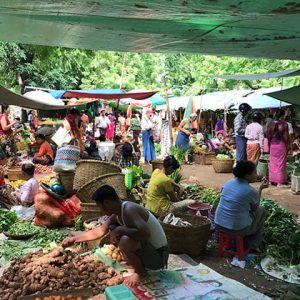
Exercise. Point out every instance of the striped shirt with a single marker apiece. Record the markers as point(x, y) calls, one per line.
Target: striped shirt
point(240, 125)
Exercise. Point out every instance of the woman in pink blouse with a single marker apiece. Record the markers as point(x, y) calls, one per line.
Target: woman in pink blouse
point(255, 138)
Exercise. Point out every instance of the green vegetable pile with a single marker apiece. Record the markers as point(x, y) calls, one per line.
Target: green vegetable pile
point(22, 228)
point(178, 153)
point(12, 249)
point(137, 172)
point(282, 233)
point(202, 194)
point(222, 156)
point(7, 218)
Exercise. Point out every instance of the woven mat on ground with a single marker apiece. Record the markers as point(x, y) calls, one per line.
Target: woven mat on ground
point(193, 283)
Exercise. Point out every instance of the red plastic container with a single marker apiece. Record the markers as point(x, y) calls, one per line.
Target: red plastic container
point(203, 208)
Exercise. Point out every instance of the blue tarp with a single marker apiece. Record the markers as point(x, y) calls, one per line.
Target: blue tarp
point(57, 94)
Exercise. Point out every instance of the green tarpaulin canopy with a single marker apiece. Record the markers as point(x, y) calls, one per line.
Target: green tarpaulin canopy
point(291, 95)
point(257, 28)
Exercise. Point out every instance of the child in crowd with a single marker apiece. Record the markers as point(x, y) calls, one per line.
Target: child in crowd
point(45, 155)
point(30, 188)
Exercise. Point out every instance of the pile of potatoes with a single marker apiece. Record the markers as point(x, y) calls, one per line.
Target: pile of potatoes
point(57, 270)
point(113, 252)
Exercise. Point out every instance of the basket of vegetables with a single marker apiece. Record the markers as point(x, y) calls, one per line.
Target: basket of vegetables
point(202, 157)
point(223, 164)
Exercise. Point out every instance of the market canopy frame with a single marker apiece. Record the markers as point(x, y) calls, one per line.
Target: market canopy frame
point(256, 28)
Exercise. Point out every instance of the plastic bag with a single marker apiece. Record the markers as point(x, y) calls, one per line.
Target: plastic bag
point(23, 212)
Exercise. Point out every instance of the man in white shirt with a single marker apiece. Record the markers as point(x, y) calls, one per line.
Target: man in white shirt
point(102, 123)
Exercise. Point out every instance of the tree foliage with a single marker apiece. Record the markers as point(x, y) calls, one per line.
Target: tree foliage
point(62, 68)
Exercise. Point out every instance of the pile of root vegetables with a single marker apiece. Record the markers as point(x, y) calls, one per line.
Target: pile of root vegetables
point(57, 270)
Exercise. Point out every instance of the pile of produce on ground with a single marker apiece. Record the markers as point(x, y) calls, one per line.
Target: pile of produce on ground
point(282, 234)
point(42, 238)
point(223, 157)
point(57, 270)
point(202, 194)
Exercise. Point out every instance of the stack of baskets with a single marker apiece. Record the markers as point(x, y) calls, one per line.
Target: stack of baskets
point(223, 165)
point(89, 177)
point(191, 240)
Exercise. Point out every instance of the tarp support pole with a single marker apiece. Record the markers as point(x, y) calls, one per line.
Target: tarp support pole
point(168, 109)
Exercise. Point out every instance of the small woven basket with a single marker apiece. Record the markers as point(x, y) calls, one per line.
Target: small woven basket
point(191, 240)
point(67, 179)
point(14, 174)
point(115, 180)
point(88, 169)
point(223, 165)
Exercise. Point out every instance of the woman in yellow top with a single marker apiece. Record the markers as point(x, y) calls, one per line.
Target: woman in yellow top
point(162, 190)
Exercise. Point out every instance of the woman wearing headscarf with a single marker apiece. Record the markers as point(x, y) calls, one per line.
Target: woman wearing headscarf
point(279, 143)
point(147, 136)
point(7, 141)
point(183, 136)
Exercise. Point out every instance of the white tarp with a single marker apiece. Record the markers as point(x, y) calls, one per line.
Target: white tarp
point(9, 97)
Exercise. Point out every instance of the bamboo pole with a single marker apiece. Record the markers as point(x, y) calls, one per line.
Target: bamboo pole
point(168, 109)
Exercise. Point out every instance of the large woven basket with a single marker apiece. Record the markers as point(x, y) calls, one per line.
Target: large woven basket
point(90, 211)
point(191, 240)
point(88, 169)
point(222, 165)
point(204, 158)
point(67, 179)
point(115, 180)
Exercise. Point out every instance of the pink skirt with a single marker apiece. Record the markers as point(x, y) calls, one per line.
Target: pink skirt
point(277, 164)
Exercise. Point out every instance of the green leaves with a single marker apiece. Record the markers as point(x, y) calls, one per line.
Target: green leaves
point(7, 218)
point(282, 233)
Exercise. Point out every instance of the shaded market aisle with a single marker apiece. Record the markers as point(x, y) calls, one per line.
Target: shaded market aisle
point(206, 176)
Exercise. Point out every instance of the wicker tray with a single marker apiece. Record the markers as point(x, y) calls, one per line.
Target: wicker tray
point(191, 240)
point(19, 236)
point(223, 165)
point(117, 181)
point(89, 169)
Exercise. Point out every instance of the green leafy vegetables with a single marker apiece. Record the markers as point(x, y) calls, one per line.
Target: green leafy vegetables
point(7, 218)
point(282, 233)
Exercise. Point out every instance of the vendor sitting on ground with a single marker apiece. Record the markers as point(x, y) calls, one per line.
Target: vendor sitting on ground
point(133, 229)
point(29, 189)
point(238, 211)
point(161, 193)
point(126, 157)
point(45, 154)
